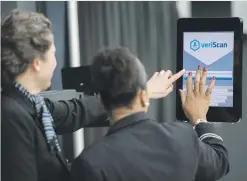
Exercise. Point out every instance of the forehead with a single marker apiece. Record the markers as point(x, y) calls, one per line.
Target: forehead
point(52, 47)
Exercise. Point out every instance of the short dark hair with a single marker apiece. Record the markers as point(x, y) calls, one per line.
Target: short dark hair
point(117, 75)
point(24, 36)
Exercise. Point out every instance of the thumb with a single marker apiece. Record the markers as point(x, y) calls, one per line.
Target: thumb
point(182, 96)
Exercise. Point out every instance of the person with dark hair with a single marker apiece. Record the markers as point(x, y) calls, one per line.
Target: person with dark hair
point(30, 124)
point(141, 149)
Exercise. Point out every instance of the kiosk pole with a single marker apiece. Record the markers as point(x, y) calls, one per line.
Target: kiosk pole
point(74, 48)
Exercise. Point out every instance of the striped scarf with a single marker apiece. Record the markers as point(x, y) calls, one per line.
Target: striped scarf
point(45, 116)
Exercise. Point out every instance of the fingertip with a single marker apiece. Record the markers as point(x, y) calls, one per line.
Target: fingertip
point(162, 72)
point(213, 80)
point(169, 73)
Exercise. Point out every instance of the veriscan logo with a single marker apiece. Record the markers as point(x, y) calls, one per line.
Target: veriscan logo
point(196, 45)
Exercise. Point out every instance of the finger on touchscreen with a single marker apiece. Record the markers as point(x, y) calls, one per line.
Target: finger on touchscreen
point(189, 86)
point(210, 87)
point(177, 76)
point(197, 79)
point(203, 81)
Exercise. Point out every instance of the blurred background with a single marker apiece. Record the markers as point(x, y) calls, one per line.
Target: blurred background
point(148, 29)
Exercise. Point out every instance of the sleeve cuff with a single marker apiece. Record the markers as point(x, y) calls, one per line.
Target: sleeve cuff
point(206, 130)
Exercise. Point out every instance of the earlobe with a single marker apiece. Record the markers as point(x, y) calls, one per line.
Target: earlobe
point(36, 64)
point(99, 99)
point(147, 104)
point(144, 98)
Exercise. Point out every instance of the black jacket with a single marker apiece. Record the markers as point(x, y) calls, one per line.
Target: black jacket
point(25, 154)
point(140, 149)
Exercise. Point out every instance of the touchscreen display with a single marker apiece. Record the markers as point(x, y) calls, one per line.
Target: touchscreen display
point(213, 50)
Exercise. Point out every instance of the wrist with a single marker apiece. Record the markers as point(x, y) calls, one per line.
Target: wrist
point(199, 120)
point(150, 95)
point(150, 91)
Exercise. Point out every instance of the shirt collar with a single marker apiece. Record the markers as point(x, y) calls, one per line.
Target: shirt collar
point(128, 121)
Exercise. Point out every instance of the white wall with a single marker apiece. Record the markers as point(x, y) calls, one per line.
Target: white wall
point(184, 9)
point(239, 9)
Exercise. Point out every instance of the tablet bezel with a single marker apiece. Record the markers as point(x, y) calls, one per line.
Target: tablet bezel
point(215, 114)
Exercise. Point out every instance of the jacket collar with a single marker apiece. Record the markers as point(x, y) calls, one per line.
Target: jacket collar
point(128, 121)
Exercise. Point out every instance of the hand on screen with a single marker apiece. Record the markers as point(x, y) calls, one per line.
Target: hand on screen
point(161, 83)
point(196, 101)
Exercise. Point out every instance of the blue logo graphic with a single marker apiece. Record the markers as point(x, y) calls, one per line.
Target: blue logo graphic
point(196, 45)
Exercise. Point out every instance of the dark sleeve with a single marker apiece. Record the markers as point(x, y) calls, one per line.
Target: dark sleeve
point(18, 149)
point(81, 170)
point(70, 116)
point(213, 161)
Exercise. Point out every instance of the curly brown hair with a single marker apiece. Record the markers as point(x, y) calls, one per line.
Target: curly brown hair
point(24, 36)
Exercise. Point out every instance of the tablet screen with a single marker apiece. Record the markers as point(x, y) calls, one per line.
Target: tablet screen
point(215, 51)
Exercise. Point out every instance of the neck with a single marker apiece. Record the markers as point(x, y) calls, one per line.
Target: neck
point(121, 113)
point(29, 84)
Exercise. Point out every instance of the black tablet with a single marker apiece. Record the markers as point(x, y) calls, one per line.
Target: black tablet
point(214, 43)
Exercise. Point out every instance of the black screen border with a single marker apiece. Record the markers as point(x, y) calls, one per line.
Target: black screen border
point(233, 24)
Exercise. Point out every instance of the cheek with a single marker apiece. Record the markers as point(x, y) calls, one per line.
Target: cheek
point(50, 66)
point(54, 63)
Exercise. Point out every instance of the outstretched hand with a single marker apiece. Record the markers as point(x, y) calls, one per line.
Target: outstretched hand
point(161, 83)
point(196, 101)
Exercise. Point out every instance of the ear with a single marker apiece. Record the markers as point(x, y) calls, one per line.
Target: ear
point(99, 98)
point(35, 65)
point(144, 98)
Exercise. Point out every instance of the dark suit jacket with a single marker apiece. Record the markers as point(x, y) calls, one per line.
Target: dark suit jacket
point(25, 154)
point(140, 149)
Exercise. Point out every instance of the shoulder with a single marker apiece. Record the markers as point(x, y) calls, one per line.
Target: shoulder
point(9, 106)
point(182, 132)
point(6, 101)
point(89, 165)
point(93, 154)
point(84, 169)
point(15, 115)
point(179, 126)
